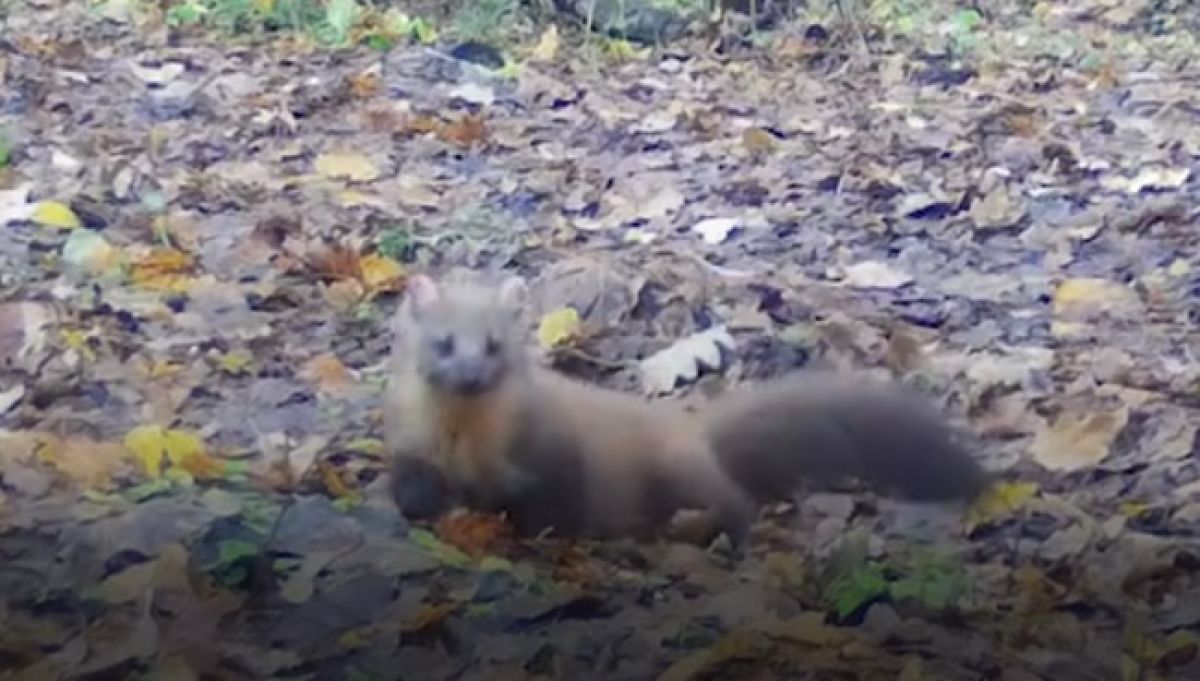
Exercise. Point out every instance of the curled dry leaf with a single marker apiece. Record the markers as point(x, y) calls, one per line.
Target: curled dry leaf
point(684, 360)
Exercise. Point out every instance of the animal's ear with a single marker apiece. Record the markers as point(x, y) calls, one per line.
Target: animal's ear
point(422, 292)
point(514, 293)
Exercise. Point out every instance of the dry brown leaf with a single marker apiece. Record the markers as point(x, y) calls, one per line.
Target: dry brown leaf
point(329, 374)
point(336, 262)
point(476, 534)
point(365, 85)
point(331, 477)
point(429, 617)
point(89, 463)
point(758, 142)
point(347, 165)
point(163, 269)
point(1075, 441)
point(464, 133)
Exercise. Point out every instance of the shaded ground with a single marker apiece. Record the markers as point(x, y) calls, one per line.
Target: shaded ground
point(1014, 232)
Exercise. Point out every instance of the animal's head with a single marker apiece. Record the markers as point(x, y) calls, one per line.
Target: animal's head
point(464, 337)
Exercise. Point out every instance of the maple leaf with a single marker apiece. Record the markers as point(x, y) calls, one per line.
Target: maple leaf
point(152, 446)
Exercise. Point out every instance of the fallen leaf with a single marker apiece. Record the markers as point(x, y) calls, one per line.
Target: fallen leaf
point(1150, 178)
point(703, 664)
point(1075, 441)
point(476, 534)
point(716, 230)
point(547, 46)
point(443, 552)
point(23, 329)
point(558, 327)
point(347, 165)
point(429, 617)
point(14, 204)
point(381, 273)
point(1085, 299)
point(759, 142)
point(90, 252)
point(89, 463)
point(875, 274)
point(685, 359)
point(299, 585)
point(163, 269)
point(336, 262)
point(464, 133)
point(997, 209)
point(153, 446)
point(55, 214)
point(474, 93)
point(334, 483)
point(345, 295)
point(329, 374)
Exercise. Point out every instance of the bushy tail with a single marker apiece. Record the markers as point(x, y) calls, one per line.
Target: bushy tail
point(820, 428)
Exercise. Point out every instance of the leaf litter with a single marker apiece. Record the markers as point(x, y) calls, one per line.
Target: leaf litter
point(197, 271)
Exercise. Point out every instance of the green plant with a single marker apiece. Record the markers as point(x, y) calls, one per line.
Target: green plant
point(485, 19)
point(5, 149)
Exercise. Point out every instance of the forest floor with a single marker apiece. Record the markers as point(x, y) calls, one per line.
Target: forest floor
point(205, 236)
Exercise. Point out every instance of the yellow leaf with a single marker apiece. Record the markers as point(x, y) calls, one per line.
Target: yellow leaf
point(547, 46)
point(347, 165)
point(163, 269)
point(1133, 509)
point(367, 445)
point(152, 445)
point(235, 362)
point(381, 273)
point(56, 214)
point(77, 341)
point(1000, 500)
point(558, 327)
point(164, 367)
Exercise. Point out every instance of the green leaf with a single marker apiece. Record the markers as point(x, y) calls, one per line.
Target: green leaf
point(435, 547)
point(233, 550)
point(340, 17)
point(852, 591)
point(146, 490)
point(966, 20)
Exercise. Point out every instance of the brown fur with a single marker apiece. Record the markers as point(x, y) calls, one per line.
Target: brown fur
point(556, 453)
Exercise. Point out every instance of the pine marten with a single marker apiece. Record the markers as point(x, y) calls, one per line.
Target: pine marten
point(471, 420)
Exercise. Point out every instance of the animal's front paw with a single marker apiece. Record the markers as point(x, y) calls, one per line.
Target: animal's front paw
point(420, 490)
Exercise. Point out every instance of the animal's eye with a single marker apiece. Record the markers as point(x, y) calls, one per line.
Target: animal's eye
point(444, 346)
point(492, 346)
